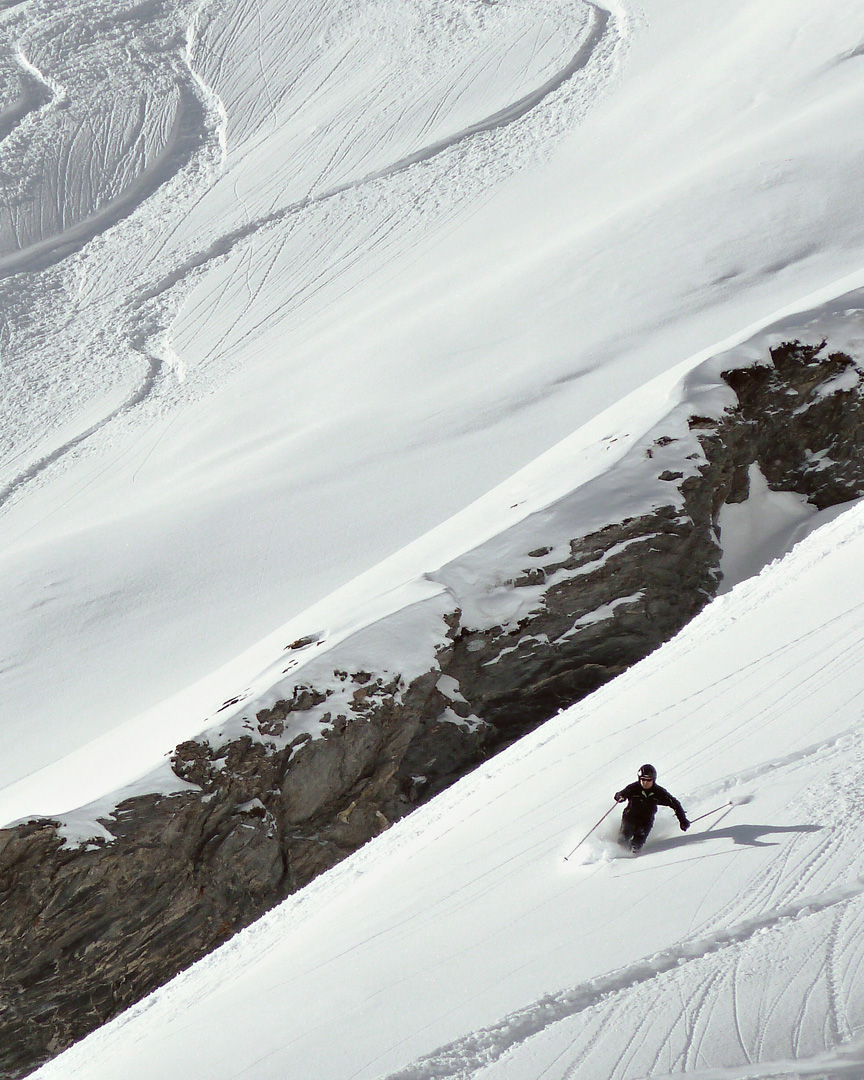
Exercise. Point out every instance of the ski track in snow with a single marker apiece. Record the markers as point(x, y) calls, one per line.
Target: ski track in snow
point(462, 1059)
point(775, 968)
point(680, 992)
point(36, 93)
point(185, 139)
point(183, 143)
point(731, 930)
point(472, 1055)
point(462, 174)
point(501, 119)
point(200, 126)
point(200, 118)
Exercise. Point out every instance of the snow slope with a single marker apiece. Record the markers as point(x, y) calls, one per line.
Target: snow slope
point(284, 287)
point(461, 944)
point(391, 618)
point(331, 272)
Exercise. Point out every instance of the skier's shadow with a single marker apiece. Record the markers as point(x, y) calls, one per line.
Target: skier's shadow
point(742, 835)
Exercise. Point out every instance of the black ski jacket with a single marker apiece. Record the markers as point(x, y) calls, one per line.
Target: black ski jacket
point(642, 805)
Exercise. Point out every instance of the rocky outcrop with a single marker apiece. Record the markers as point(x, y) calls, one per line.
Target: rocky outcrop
point(628, 587)
point(289, 787)
point(115, 911)
point(86, 931)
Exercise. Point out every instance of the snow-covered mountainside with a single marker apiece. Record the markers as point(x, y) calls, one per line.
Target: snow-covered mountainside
point(377, 381)
point(461, 944)
point(353, 727)
point(286, 362)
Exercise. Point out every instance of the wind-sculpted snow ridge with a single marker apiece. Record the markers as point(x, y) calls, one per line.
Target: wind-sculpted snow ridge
point(108, 345)
point(397, 184)
point(182, 139)
point(191, 115)
point(194, 118)
point(81, 156)
point(452, 312)
point(34, 95)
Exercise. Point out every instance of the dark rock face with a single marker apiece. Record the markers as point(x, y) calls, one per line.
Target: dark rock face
point(651, 573)
point(805, 436)
point(86, 931)
point(116, 911)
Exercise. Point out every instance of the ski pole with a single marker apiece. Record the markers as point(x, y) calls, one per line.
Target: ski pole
point(739, 800)
point(593, 827)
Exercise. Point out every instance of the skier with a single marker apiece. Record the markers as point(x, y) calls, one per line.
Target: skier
point(642, 800)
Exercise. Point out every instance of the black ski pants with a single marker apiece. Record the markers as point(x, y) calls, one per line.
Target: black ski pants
point(634, 831)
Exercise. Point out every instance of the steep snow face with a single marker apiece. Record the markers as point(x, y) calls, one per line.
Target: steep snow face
point(348, 729)
point(95, 368)
point(283, 287)
point(596, 529)
point(461, 944)
point(332, 271)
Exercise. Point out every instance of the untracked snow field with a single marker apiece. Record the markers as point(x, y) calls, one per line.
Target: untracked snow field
point(298, 301)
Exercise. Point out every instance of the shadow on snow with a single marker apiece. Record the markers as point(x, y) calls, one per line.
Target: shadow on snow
point(741, 835)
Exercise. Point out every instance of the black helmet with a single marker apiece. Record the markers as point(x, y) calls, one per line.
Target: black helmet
point(648, 772)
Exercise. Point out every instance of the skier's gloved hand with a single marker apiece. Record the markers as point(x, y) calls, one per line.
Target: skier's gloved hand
point(685, 824)
point(619, 797)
